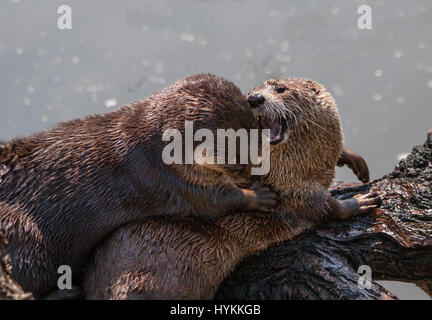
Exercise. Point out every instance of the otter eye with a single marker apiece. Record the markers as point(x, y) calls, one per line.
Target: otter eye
point(280, 90)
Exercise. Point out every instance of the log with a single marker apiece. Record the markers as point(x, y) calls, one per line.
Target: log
point(396, 243)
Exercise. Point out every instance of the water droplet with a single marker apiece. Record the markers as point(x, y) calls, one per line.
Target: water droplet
point(110, 55)
point(94, 88)
point(338, 90)
point(400, 13)
point(41, 52)
point(187, 37)
point(203, 41)
point(377, 97)
point(285, 46)
point(401, 156)
point(390, 36)
point(335, 10)
point(227, 56)
point(378, 73)
point(271, 41)
point(429, 83)
point(75, 59)
point(400, 100)
point(273, 13)
point(157, 79)
point(159, 67)
point(30, 89)
point(57, 78)
point(421, 44)
point(364, 54)
point(283, 58)
point(19, 50)
point(44, 118)
point(110, 103)
point(397, 54)
point(422, 8)
point(27, 101)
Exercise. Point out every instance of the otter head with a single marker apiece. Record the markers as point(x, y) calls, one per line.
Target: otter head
point(305, 131)
point(293, 107)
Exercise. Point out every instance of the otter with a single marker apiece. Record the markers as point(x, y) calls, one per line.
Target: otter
point(188, 257)
point(64, 190)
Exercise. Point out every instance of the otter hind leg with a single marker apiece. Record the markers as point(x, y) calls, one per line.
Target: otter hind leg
point(162, 258)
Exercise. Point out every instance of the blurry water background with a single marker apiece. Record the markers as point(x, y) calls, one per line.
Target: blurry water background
point(121, 51)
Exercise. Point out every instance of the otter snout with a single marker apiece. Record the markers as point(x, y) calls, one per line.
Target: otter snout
point(255, 100)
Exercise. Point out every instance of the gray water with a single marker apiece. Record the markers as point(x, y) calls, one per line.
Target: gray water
point(121, 51)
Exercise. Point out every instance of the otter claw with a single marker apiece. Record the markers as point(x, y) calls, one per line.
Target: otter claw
point(367, 203)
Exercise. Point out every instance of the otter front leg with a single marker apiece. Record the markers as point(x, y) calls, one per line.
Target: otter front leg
point(359, 204)
point(355, 162)
point(258, 199)
point(243, 193)
point(224, 198)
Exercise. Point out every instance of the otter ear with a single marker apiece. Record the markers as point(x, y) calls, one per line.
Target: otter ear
point(314, 93)
point(271, 82)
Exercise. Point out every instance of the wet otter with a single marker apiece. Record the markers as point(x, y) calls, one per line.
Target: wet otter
point(187, 258)
point(66, 189)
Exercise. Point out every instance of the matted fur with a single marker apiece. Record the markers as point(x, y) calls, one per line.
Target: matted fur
point(187, 258)
point(64, 190)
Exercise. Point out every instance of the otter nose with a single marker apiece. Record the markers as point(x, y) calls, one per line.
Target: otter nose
point(255, 100)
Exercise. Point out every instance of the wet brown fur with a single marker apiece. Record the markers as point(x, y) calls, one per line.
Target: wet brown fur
point(64, 190)
point(187, 258)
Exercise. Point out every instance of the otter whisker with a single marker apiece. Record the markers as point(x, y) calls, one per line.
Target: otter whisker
point(325, 130)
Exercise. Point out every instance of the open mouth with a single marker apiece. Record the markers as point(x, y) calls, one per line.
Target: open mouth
point(278, 128)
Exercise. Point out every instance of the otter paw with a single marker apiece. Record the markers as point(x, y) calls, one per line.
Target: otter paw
point(356, 163)
point(359, 204)
point(368, 203)
point(260, 198)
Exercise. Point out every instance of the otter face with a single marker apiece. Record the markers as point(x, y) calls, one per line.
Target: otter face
point(282, 105)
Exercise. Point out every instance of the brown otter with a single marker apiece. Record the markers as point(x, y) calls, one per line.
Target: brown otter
point(188, 257)
point(66, 189)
